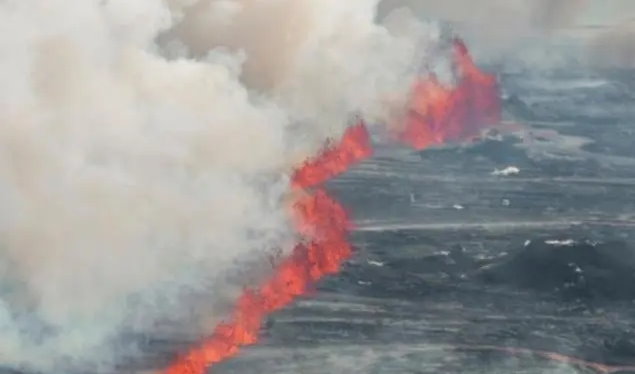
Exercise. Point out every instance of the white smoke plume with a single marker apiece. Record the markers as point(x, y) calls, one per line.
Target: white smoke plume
point(145, 148)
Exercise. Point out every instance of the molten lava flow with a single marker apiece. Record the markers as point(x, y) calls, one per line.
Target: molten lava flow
point(440, 114)
point(354, 147)
point(323, 224)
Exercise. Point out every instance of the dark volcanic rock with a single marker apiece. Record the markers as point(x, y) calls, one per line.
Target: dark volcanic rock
point(454, 261)
point(584, 269)
point(518, 107)
point(500, 151)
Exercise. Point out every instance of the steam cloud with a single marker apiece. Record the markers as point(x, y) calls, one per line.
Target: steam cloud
point(145, 148)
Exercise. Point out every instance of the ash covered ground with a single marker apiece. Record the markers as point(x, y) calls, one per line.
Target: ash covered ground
point(493, 257)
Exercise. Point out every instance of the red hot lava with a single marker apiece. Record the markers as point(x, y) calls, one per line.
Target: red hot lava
point(323, 224)
point(354, 147)
point(439, 114)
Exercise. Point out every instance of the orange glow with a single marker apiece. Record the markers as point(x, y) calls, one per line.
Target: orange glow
point(440, 114)
point(354, 147)
point(323, 224)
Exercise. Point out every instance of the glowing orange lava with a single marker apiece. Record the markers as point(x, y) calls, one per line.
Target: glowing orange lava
point(323, 224)
point(439, 114)
point(354, 147)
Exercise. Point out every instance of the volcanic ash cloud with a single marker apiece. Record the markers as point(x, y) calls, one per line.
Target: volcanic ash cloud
point(145, 148)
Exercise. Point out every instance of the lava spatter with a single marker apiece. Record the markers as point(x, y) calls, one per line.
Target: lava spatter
point(438, 113)
point(354, 147)
point(323, 224)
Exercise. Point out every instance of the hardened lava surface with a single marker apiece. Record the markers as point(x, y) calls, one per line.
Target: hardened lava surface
point(513, 254)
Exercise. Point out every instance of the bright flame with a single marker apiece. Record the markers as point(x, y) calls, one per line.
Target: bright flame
point(323, 224)
point(440, 114)
point(354, 147)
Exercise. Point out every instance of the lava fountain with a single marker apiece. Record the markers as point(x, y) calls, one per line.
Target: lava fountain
point(354, 146)
point(323, 224)
point(437, 114)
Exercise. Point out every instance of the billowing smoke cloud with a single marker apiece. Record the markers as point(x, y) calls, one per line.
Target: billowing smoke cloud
point(145, 148)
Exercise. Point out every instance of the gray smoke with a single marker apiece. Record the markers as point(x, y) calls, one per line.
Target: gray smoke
point(145, 148)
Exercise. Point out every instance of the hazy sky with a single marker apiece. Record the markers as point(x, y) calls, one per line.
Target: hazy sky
point(608, 11)
point(594, 12)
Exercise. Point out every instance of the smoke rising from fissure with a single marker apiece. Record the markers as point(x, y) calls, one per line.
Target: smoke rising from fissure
point(146, 149)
